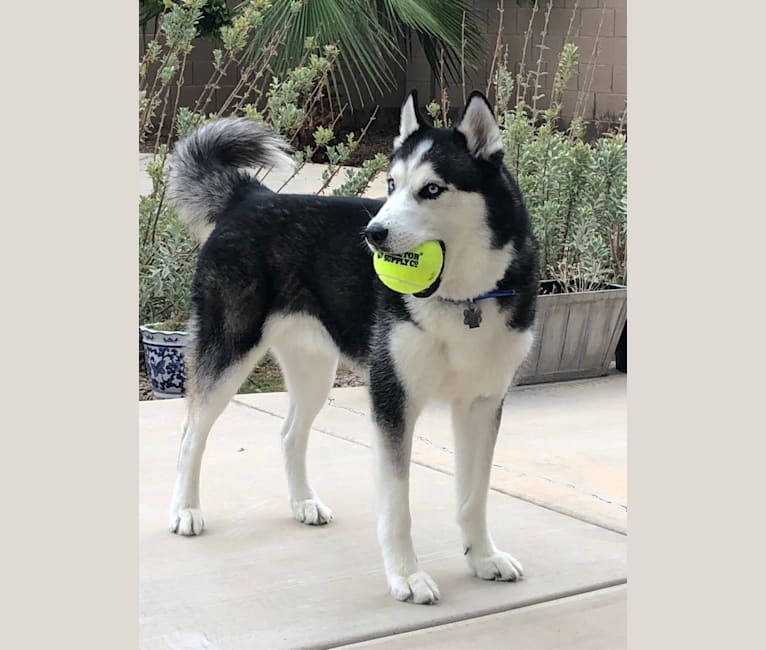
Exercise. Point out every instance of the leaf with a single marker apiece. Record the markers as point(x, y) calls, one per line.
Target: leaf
point(372, 37)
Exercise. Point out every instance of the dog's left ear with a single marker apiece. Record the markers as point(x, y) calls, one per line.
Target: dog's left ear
point(479, 126)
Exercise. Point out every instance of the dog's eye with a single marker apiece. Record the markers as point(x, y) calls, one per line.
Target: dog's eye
point(391, 185)
point(431, 191)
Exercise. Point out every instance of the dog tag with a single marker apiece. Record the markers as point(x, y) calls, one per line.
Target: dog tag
point(472, 316)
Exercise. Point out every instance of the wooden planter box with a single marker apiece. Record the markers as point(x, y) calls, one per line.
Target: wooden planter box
point(576, 334)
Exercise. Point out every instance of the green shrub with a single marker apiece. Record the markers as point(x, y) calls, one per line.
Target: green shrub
point(575, 190)
point(167, 254)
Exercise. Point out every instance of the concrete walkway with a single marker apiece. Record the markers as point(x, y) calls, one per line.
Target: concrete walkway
point(307, 181)
point(258, 579)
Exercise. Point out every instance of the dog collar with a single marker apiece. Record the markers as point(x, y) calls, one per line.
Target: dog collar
point(472, 313)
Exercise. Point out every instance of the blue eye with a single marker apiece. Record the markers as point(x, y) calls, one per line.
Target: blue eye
point(431, 191)
point(391, 185)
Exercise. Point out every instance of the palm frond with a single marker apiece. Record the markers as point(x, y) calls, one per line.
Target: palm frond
point(372, 37)
point(439, 24)
point(366, 47)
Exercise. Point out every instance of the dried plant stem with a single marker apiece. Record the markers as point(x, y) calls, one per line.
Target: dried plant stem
point(337, 168)
point(212, 85)
point(624, 114)
point(498, 44)
point(158, 135)
point(519, 89)
point(444, 99)
point(143, 78)
point(543, 47)
point(153, 93)
point(144, 58)
point(262, 62)
point(556, 91)
point(590, 72)
point(179, 83)
point(571, 22)
point(462, 56)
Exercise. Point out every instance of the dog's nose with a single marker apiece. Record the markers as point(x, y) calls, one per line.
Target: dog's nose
point(376, 234)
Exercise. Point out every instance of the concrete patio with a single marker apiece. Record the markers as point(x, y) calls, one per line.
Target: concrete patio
point(256, 578)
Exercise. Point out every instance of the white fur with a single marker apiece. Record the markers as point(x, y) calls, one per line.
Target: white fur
point(406, 580)
point(185, 513)
point(475, 426)
point(457, 218)
point(480, 129)
point(408, 121)
point(308, 358)
point(443, 359)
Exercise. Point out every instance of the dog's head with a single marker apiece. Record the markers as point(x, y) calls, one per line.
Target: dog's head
point(449, 184)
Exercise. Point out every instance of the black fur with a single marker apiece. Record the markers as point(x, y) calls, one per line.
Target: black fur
point(281, 253)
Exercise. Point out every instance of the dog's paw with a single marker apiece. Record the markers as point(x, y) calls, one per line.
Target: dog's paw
point(417, 587)
point(496, 566)
point(312, 512)
point(187, 521)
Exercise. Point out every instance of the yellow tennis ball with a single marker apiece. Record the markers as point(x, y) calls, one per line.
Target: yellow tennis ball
point(413, 271)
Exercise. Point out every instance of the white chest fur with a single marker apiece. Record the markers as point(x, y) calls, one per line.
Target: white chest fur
point(444, 359)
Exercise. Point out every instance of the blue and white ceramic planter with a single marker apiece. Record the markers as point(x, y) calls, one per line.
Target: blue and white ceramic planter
point(164, 354)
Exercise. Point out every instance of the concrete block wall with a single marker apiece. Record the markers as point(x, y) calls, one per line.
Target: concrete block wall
point(601, 88)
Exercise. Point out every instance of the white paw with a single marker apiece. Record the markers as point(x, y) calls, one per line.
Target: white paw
point(496, 566)
point(417, 587)
point(187, 521)
point(312, 512)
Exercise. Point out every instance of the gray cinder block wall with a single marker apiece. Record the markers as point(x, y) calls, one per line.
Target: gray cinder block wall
point(603, 97)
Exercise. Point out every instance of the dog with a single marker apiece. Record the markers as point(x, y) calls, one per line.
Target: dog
point(293, 274)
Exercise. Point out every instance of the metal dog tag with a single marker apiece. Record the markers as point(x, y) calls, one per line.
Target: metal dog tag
point(472, 316)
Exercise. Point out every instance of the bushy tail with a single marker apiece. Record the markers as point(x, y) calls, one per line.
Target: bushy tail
point(209, 165)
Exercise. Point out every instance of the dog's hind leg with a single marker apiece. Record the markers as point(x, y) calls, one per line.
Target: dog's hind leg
point(207, 397)
point(309, 375)
point(476, 423)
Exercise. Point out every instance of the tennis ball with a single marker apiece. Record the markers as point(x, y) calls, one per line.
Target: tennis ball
point(413, 271)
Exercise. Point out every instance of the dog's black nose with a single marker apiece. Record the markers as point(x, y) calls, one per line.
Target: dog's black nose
point(376, 234)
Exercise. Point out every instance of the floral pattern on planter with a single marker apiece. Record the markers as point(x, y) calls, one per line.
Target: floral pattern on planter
point(164, 355)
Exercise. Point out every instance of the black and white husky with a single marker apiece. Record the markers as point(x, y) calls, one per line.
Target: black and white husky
point(293, 274)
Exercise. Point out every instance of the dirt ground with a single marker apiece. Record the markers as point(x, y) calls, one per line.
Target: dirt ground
point(266, 378)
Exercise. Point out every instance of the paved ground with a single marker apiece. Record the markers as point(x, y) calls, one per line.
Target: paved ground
point(258, 579)
point(309, 180)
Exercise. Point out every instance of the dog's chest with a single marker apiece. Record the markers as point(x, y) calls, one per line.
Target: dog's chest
point(445, 358)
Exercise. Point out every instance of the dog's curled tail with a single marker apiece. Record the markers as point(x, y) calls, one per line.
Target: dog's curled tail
point(210, 164)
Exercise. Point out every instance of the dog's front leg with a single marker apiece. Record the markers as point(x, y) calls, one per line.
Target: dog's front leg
point(395, 418)
point(476, 423)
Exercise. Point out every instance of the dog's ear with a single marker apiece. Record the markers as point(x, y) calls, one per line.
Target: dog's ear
point(479, 126)
point(410, 121)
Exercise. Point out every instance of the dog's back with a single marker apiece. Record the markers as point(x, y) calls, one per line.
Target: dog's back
point(293, 274)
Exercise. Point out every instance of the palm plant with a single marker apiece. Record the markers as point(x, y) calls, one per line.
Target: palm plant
point(374, 37)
